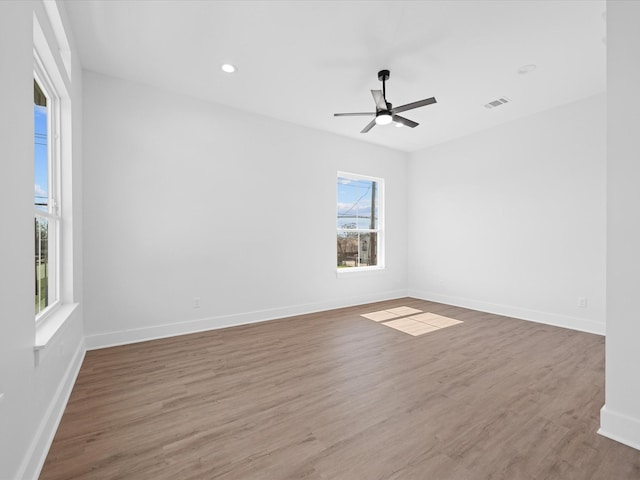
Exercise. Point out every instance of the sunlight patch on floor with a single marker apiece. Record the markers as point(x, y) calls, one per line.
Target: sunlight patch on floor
point(412, 327)
point(436, 320)
point(414, 322)
point(384, 315)
point(380, 316)
point(402, 311)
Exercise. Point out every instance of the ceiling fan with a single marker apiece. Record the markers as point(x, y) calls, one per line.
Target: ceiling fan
point(385, 113)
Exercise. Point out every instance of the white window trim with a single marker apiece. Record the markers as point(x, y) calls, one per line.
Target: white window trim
point(381, 225)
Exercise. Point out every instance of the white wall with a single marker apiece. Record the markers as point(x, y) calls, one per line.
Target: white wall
point(620, 418)
point(511, 220)
point(34, 393)
point(185, 199)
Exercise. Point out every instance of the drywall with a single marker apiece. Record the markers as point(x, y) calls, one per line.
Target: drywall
point(35, 388)
point(620, 417)
point(511, 220)
point(186, 200)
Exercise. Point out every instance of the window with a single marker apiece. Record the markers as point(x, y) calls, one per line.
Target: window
point(46, 190)
point(54, 251)
point(360, 226)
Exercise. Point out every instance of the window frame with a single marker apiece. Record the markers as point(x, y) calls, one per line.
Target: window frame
point(52, 214)
point(380, 230)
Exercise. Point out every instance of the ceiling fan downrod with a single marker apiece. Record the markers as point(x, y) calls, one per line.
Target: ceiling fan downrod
point(383, 76)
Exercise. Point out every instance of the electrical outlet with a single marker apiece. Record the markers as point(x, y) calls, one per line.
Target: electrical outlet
point(196, 302)
point(582, 302)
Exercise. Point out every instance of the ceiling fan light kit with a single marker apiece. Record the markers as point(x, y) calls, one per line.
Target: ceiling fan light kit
point(383, 118)
point(385, 112)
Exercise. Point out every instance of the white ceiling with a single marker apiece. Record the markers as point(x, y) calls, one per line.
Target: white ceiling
point(303, 61)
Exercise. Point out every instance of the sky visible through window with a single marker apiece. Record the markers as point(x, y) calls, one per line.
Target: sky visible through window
point(41, 187)
point(354, 203)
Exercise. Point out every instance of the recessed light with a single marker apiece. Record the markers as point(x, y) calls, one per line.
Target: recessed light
point(527, 69)
point(228, 68)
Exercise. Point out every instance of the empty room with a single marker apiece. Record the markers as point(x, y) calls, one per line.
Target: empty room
point(319, 240)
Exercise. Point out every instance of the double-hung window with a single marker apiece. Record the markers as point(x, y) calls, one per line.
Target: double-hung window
point(360, 222)
point(46, 192)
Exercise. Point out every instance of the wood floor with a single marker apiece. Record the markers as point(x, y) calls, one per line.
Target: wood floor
point(334, 395)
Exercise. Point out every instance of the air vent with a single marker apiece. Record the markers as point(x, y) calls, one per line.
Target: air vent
point(497, 103)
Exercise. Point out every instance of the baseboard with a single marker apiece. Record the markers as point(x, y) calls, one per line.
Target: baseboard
point(620, 427)
point(547, 318)
point(43, 438)
point(123, 337)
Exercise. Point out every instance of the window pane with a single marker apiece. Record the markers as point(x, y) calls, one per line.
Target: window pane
point(357, 249)
point(369, 249)
point(41, 263)
point(357, 204)
point(347, 249)
point(41, 148)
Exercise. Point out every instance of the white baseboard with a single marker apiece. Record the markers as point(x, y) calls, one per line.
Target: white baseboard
point(123, 337)
point(42, 440)
point(554, 319)
point(620, 427)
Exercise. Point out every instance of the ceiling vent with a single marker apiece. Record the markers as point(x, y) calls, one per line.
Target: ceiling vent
point(497, 103)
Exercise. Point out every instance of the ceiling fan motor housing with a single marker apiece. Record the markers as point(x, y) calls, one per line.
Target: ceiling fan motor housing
point(383, 75)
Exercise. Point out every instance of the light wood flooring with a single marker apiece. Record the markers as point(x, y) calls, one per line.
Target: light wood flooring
point(334, 395)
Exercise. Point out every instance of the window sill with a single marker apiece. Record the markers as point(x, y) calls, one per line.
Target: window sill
point(357, 272)
point(47, 328)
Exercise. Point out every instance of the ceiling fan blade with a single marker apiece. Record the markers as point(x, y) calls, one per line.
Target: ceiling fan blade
point(409, 106)
point(405, 121)
point(369, 126)
point(360, 114)
point(379, 99)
